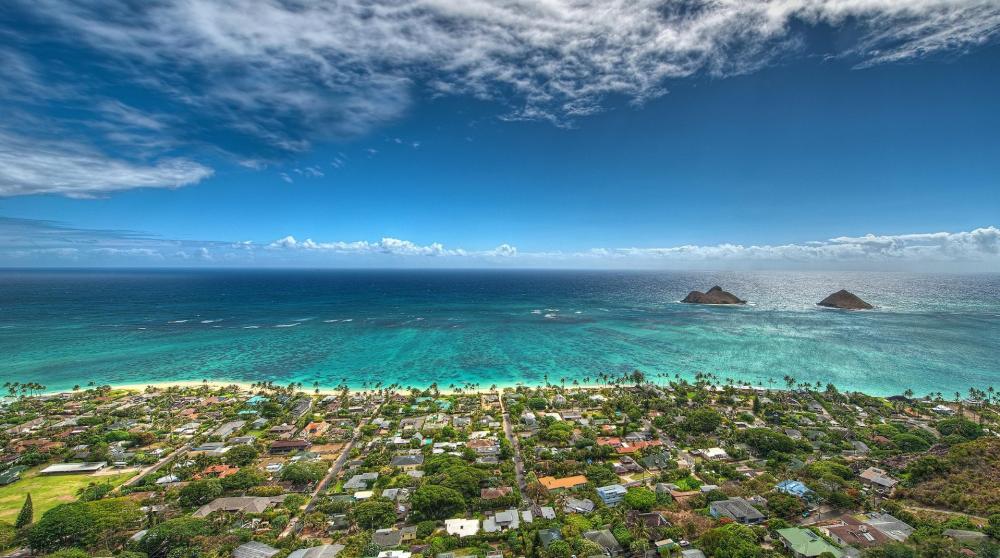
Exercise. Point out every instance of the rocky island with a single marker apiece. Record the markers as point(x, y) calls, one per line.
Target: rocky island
point(845, 300)
point(715, 295)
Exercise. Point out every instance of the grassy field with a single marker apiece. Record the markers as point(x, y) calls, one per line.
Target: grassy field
point(47, 491)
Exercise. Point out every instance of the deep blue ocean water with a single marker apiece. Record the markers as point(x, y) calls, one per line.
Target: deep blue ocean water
point(930, 333)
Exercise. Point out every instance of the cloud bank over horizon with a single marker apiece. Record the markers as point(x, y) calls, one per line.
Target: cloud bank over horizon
point(29, 243)
point(169, 87)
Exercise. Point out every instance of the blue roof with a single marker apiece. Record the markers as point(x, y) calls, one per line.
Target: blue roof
point(793, 487)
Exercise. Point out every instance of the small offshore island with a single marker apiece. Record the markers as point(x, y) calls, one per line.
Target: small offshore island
point(845, 300)
point(715, 295)
point(635, 467)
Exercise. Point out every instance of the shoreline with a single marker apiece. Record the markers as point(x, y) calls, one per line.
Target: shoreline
point(326, 390)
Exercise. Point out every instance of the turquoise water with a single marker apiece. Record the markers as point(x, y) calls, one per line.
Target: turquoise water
point(930, 333)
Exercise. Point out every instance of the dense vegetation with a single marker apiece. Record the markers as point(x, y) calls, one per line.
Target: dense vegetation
point(967, 478)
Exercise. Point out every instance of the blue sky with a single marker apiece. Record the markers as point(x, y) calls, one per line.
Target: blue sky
point(807, 134)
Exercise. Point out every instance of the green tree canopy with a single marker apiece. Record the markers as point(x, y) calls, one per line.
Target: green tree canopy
point(241, 455)
point(639, 498)
point(200, 492)
point(437, 502)
point(731, 541)
point(374, 514)
point(703, 420)
point(305, 472)
point(173, 534)
point(27, 514)
point(766, 441)
point(84, 524)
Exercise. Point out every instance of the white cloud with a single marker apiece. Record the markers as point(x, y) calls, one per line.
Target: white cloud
point(976, 245)
point(33, 166)
point(26, 242)
point(289, 71)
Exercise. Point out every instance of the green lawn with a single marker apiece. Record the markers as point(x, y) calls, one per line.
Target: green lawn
point(47, 491)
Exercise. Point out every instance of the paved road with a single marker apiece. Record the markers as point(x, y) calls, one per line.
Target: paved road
point(330, 475)
point(145, 472)
point(518, 462)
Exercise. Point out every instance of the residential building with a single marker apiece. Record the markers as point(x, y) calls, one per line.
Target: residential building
point(737, 509)
point(612, 494)
point(803, 543)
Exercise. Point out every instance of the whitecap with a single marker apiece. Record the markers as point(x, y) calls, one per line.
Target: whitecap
point(251, 327)
point(550, 316)
point(302, 320)
point(210, 321)
point(177, 322)
point(330, 321)
point(348, 319)
point(289, 325)
point(536, 311)
point(578, 312)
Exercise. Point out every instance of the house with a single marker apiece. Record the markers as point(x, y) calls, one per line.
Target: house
point(553, 484)
point(548, 536)
point(321, 551)
point(282, 430)
point(715, 454)
point(288, 446)
point(394, 554)
point(462, 527)
point(217, 472)
point(878, 478)
point(737, 509)
point(578, 505)
point(254, 549)
point(894, 528)
point(73, 468)
point(546, 512)
point(239, 504)
point(484, 446)
point(803, 543)
point(650, 520)
point(611, 494)
point(216, 448)
point(301, 407)
point(657, 461)
point(606, 540)
point(407, 462)
point(502, 521)
point(793, 488)
point(848, 531)
point(11, 475)
point(360, 482)
point(387, 538)
point(228, 429)
point(571, 414)
point(494, 493)
point(315, 429)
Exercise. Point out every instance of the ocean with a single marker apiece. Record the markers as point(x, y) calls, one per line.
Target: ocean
point(930, 332)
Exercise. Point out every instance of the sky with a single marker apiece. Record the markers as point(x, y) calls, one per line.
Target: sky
point(827, 134)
